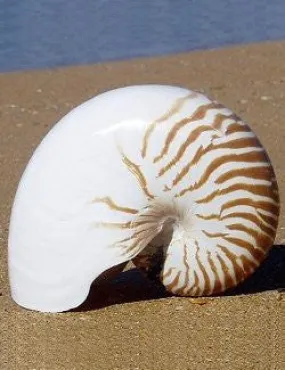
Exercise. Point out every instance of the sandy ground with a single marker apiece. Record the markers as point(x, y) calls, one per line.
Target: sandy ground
point(129, 323)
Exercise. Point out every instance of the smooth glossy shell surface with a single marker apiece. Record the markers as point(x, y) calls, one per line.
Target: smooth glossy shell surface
point(133, 174)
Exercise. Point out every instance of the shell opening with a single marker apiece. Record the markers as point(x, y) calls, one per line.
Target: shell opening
point(167, 223)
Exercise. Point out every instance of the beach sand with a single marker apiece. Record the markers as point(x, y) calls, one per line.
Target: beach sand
point(129, 323)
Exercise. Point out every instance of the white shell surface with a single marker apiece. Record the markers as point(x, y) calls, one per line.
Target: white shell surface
point(122, 170)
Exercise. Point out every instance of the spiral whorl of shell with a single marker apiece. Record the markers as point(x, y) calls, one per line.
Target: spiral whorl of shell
point(211, 199)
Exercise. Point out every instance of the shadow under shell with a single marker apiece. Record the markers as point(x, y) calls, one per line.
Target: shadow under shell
point(134, 286)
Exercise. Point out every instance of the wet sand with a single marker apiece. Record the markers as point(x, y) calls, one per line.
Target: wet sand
point(129, 323)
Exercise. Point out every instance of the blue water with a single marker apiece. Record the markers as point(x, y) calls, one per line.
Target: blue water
point(49, 33)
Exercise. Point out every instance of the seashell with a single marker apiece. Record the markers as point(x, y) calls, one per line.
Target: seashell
point(160, 175)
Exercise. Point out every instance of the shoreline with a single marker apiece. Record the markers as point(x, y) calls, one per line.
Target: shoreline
point(146, 58)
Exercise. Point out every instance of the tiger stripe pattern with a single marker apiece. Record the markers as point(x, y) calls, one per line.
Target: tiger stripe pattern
point(217, 212)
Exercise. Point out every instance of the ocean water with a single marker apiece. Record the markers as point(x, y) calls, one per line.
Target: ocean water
point(49, 33)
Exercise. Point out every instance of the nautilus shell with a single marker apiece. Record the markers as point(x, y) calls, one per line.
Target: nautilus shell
point(159, 175)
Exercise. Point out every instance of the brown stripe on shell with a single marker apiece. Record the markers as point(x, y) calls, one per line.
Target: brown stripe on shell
point(173, 110)
point(248, 265)
point(136, 238)
point(240, 273)
point(249, 157)
point(248, 230)
point(167, 273)
point(171, 286)
point(229, 281)
point(207, 281)
point(181, 290)
point(199, 114)
point(257, 253)
point(221, 118)
point(139, 243)
point(266, 206)
point(218, 284)
point(213, 235)
point(237, 127)
point(145, 232)
point(209, 217)
point(233, 144)
point(260, 190)
point(269, 220)
point(265, 244)
point(258, 173)
point(138, 232)
point(195, 286)
point(136, 171)
point(111, 204)
point(186, 168)
point(192, 137)
point(239, 143)
point(254, 219)
point(193, 290)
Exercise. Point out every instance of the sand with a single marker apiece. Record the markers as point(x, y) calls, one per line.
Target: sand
point(129, 323)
